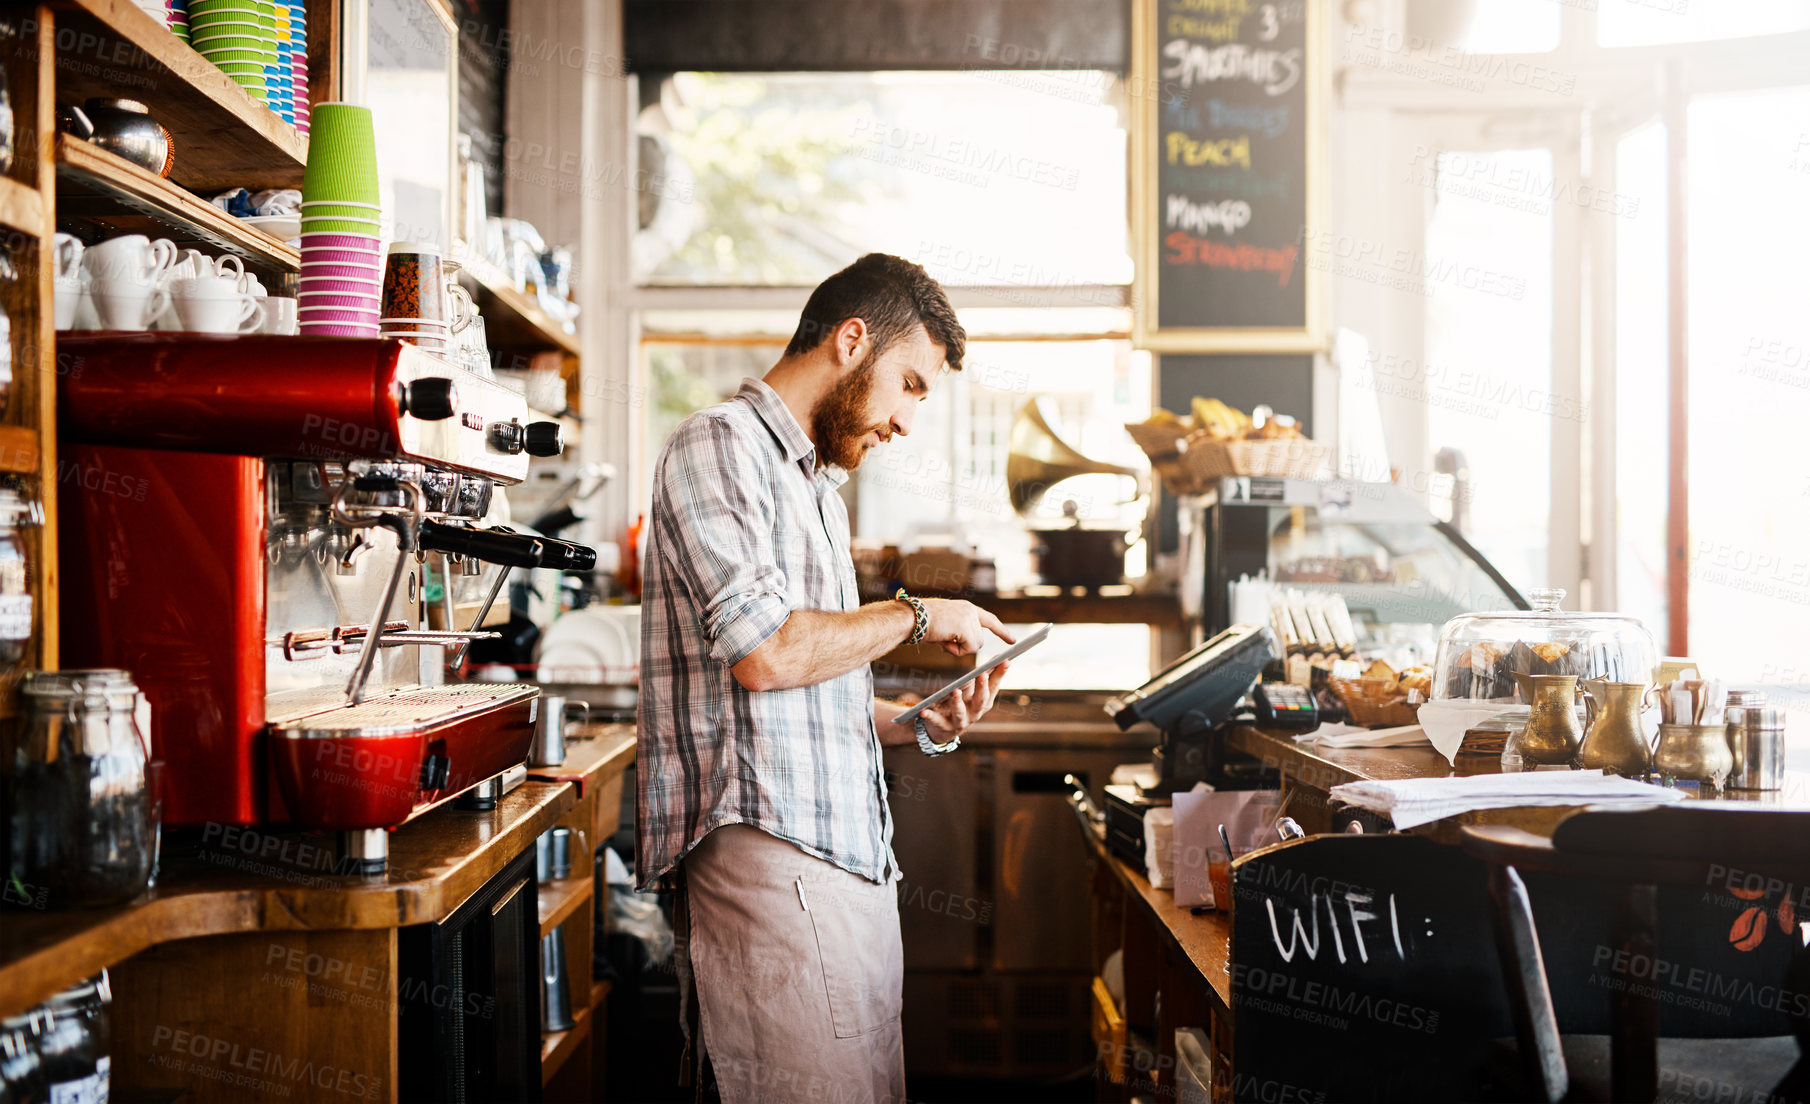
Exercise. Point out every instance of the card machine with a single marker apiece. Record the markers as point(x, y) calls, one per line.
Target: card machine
point(1284, 705)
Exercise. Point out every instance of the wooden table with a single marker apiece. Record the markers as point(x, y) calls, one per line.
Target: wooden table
point(252, 937)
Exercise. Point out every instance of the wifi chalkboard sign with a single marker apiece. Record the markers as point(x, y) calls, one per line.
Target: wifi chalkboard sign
point(1225, 174)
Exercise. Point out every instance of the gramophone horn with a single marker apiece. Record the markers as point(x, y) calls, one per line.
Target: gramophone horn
point(1039, 460)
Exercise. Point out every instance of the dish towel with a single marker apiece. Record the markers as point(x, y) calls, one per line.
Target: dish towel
point(1417, 801)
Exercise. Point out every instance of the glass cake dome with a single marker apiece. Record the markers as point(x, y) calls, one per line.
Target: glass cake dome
point(1480, 654)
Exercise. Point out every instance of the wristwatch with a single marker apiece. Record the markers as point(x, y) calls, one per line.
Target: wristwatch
point(920, 617)
point(928, 746)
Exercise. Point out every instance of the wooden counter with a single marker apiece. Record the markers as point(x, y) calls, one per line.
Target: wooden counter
point(1204, 941)
point(240, 882)
point(194, 954)
point(1309, 771)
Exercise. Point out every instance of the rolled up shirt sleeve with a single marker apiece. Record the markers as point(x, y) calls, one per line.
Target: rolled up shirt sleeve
point(716, 515)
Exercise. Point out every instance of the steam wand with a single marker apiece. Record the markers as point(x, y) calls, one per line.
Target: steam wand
point(405, 528)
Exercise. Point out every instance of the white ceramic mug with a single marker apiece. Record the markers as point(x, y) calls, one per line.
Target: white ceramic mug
point(69, 258)
point(68, 297)
point(279, 315)
point(130, 257)
point(214, 304)
point(127, 304)
point(193, 264)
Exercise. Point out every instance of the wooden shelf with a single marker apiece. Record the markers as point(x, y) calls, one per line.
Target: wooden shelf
point(21, 207)
point(512, 319)
point(561, 898)
point(1156, 610)
point(223, 137)
point(19, 451)
point(557, 1046)
point(114, 196)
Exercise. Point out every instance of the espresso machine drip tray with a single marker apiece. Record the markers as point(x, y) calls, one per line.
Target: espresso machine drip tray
point(360, 769)
point(418, 710)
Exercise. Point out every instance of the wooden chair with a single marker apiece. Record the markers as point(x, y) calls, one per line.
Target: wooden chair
point(1712, 864)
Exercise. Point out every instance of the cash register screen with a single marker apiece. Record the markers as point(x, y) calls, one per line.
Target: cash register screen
point(1209, 680)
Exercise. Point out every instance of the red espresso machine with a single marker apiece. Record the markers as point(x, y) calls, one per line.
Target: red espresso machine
point(250, 542)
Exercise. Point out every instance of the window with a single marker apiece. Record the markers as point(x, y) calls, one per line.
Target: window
point(1749, 231)
point(1512, 26)
point(1641, 380)
point(1655, 22)
point(986, 178)
point(1575, 194)
point(1489, 271)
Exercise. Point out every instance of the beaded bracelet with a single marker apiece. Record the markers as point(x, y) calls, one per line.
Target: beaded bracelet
point(920, 617)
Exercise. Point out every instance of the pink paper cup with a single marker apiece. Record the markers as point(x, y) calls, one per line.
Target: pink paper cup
point(333, 329)
point(342, 254)
point(325, 285)
point(325, 271)
point(363, 243)
point(321, 312)
point(363, 304)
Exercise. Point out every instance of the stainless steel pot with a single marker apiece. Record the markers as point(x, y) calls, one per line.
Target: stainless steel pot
point(125, 128)
point(1080, 557)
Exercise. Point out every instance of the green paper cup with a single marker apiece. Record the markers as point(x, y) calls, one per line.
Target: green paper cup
point(342, 155)
point(229, 33)
point(330, 209)
point(223, 58)
point(339, 226)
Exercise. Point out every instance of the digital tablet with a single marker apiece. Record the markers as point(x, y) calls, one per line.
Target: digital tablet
point(1026, 643)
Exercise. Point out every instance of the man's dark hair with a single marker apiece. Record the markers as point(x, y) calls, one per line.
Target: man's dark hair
point(892, 296)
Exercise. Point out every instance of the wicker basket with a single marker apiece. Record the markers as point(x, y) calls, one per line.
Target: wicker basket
point(1190, 463)
point(1375, 702)
point(1163, 445)
point(1207, 459)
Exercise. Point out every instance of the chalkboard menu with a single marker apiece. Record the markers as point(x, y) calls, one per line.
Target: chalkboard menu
point(1224, 173)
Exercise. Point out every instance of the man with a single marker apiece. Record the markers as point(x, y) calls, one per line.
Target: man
point(761, 793)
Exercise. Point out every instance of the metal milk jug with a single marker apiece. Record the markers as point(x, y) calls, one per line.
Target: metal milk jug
point(1617, 741)
point(1553, 730)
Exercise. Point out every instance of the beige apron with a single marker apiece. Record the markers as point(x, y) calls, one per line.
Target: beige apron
point(797, 970)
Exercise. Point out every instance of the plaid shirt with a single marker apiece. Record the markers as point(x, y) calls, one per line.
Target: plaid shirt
point(743, 530)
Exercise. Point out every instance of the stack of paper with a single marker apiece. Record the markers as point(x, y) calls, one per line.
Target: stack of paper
point(1420, 800)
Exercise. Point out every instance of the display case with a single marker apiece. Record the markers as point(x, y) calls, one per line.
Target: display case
point(1402, 572)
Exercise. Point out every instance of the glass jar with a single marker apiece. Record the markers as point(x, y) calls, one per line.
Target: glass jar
point(9, 276)
point(1485, 656)
point(16, 600)
point(75, 1043)
point(21, 1069)
point(83, 828)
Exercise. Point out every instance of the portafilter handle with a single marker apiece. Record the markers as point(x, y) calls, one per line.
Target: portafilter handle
point(504, 546)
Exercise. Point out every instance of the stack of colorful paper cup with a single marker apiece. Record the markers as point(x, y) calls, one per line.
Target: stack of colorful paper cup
point(298, 65)
point(238, 36)
point(178, 19)
point(279, 82)
point(342, 255)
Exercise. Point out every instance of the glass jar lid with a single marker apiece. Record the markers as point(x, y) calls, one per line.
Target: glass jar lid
point(1480, 655)
point(80, 688)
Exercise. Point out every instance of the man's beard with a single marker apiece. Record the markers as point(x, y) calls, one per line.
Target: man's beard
point(839, 420)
